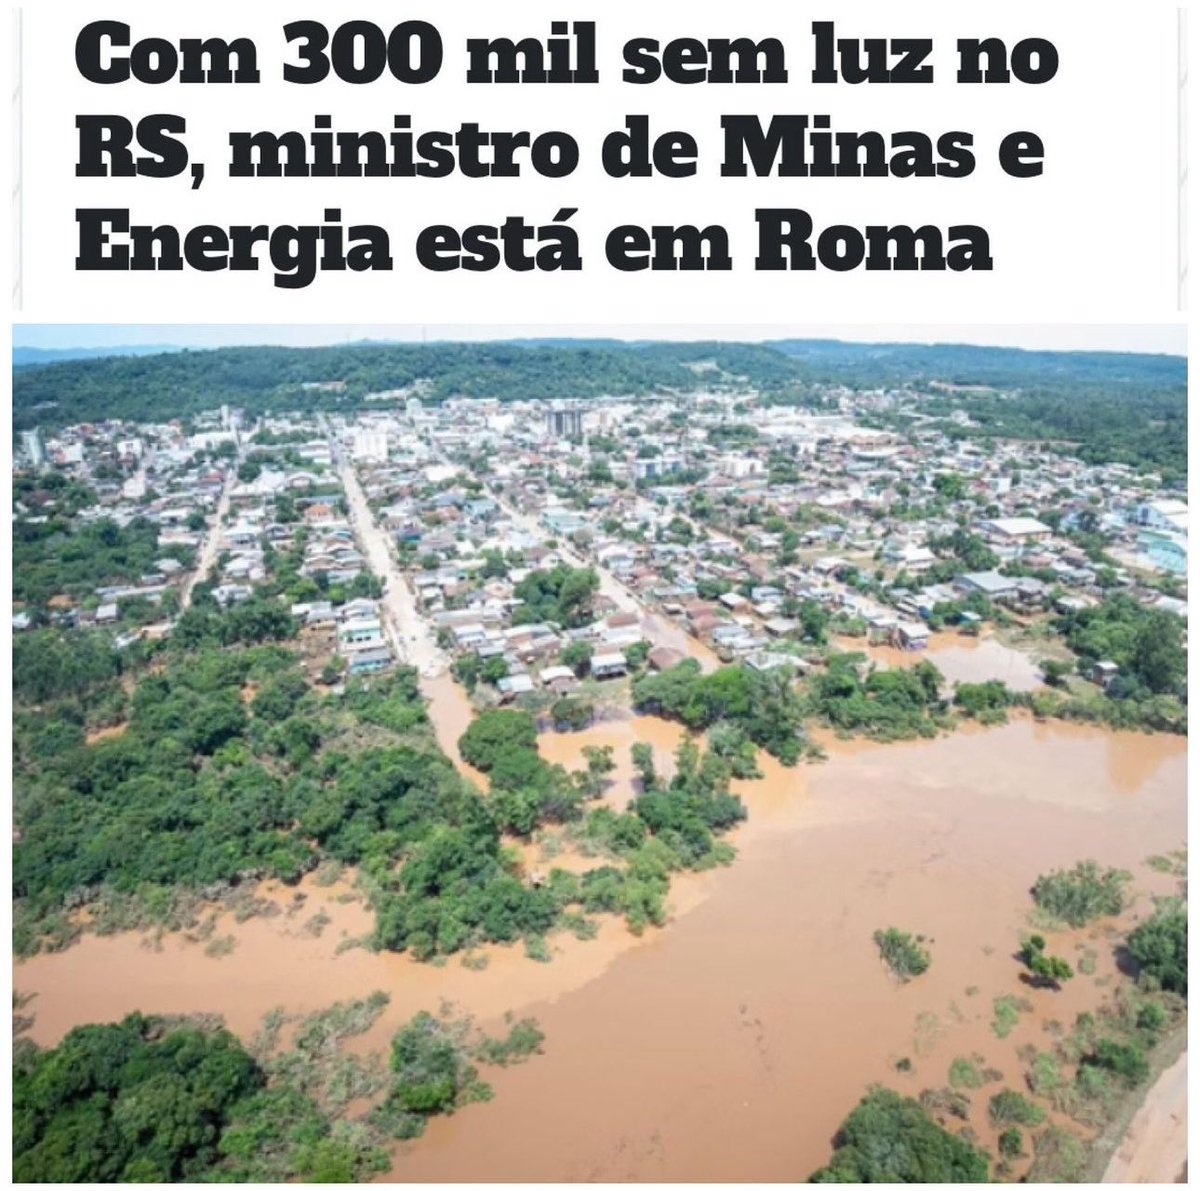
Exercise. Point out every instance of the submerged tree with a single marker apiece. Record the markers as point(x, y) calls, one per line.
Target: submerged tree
point(902, 952)
point(1049, 971)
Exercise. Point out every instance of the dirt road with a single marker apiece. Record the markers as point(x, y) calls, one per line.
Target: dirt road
point(659, 629)
point(1154, 1149)
point(211, 544)
point(410, 633)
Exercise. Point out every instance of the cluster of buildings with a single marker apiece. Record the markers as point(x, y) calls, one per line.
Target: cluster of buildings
point(234, 504)
point(716, 518)
point(723, 517)
point(156, 475)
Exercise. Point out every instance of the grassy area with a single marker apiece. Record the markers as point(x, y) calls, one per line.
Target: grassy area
point(1007, 1012)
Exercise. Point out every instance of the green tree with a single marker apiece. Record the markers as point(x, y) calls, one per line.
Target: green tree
point(1008, 1107)
point(1159, 659)
point(890, 1138)
point(1160, 946)
point(563, 596)
point(1011, 1143)
point(950, 484)
point(1079, 895)
point(571, 713)
point(1049, 970)
point(600, 763)
point(576, 655)
point(495, 733)
point(814, 621)
point(430, 1071)
point(642, 755)
point(902, 952)
point(984, 701)
point(135, 1101)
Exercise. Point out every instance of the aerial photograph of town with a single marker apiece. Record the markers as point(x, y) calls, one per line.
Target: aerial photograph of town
point(594, 759)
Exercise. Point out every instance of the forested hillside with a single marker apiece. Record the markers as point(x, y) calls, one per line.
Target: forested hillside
point(1112, 406)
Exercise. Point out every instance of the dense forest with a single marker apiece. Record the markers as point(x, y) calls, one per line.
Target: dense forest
point(1114, 406)
point(870, 365)
point(157, 1099)
point(218, 765)
point(226, 768)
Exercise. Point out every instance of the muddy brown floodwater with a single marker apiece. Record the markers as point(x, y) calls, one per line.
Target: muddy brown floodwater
point(734, 1043)
point(450, 712)
point(731, 1044)
point(961, 659)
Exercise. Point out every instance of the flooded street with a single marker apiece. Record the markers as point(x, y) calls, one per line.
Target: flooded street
point(450, 713)
point(731, 1044)
point(960, 659)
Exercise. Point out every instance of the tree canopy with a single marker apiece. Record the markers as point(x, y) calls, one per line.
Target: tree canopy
point(134, 1102)
point(1146, 643)
point(891, 1138)
point(1160, 946)
point(562, 596)
point(763, 705)
point(886, 704)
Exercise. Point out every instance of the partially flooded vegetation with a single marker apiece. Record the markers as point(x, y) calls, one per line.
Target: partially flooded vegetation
point(386, 775)
point(173, 1099)
point(903, 953)
point(882, 803)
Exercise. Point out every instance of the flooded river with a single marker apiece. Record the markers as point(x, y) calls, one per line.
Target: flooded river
point(733, 1045)
point(730, 1045)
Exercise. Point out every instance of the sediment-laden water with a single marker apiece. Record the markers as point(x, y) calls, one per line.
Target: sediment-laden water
point(732, 1043)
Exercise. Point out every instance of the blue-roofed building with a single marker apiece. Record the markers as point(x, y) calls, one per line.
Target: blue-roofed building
point(1166, 551)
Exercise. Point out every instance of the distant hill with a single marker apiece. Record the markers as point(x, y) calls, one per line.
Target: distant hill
point(1115, 406)
point(967, 364)
point(37, 357)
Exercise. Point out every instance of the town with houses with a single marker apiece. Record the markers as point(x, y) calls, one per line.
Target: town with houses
point(709, 523)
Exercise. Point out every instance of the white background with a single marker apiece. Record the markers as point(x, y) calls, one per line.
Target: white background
point(1094, 239)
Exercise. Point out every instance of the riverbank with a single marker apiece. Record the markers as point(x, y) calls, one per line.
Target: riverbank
point(1146, 1142)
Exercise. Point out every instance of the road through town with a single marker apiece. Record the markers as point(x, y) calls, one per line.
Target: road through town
point(660, 630)
point(212, 541)
point(410, 633)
